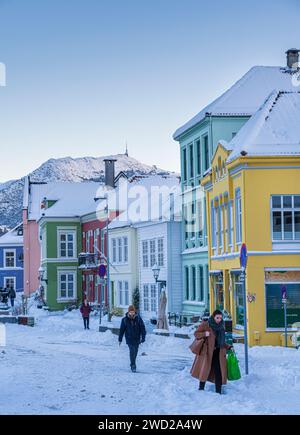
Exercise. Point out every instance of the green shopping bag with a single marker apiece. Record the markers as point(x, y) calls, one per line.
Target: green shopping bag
point(233, 370)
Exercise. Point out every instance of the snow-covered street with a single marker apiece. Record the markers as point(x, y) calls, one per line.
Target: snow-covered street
point(58, 368)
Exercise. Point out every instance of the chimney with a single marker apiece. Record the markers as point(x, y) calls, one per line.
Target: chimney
point(110, 172)
point(292, 57)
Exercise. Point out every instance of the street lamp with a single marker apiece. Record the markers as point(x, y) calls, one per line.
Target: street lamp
point(105, 198)
point(41, 274)
point(156, 271)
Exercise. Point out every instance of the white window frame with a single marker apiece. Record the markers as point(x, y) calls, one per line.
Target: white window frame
point(66, 272)
point(67, 232)
point(114, 250)
point(153, 299)
point(152, 243)
point(5, 252)
point(230, 224)
point(119, 250)
point(13, 278)
point(282, 209)
point(145, 254)
point(125, 249)
point(213, 225)
point(238, 216)
point(160, 252)
point(95, 241)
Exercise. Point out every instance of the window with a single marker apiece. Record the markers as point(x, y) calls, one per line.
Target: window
point(10, 283)
point(187, 283)
point(238, 299)
point(9, 258)
point(67, 244)
point(201, 284)
point(285, 210)
point(213, 224)
point(184, 161)
point(160, 252)
point(95, 241)
point(206, 152)
point(199, 222)
point(120, 250)
point(145, 253)
point(114, 250)
point(238, 216)
point(126, 291)
point(221, 227)
point(198, 152)
point(87, 241)
point(219, 292)
point(152, 253)
point(66, 285)
point(191, 161)
point(123, 290)
point(275, 313)
point(193, 295)
point(146, 297)
point(230, 223)
point(153, 297)
point(125, 247)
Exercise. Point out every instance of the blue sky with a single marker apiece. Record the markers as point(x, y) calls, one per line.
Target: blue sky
point(84, 76)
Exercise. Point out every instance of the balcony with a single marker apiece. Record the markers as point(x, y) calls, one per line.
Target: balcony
point(88, 261)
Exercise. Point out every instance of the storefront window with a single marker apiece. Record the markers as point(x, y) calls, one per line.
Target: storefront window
point(238, 300)
point(274, 282)
point(219, 292)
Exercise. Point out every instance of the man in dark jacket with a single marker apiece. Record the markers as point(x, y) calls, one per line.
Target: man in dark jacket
point(85, 310)
point(134, 329)
point(12, 296)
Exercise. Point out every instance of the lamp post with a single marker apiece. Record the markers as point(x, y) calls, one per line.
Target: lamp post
point(156, 271)
point(42, 279)
point(243, 263)
point(105, 198)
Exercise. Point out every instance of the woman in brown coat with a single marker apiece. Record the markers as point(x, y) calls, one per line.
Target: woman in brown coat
point(210, 364)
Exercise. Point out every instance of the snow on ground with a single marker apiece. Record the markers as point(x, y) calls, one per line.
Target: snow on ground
point(59, 368)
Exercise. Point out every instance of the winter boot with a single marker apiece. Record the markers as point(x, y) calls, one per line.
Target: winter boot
point(201, 385)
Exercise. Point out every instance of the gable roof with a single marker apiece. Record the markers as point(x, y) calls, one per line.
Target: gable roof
point(73, 199)
point(246, 95)
point(274, 130)
point(12, 237)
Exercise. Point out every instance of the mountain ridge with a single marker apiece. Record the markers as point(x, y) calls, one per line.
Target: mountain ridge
point(79, 169)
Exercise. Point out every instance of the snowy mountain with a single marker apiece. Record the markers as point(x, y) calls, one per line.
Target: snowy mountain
point(65, 169)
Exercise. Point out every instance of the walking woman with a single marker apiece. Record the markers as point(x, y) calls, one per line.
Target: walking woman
point(210, 364)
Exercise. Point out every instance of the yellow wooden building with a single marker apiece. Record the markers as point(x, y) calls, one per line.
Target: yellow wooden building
point(253, 197)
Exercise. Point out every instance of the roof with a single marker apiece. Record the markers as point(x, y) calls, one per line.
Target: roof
point(11, 237)
point(274, 130)
point(140, 200)
point(246, 95)
point(73, 199)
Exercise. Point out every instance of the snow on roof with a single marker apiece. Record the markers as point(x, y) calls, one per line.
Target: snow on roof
point(12, 237)
point(140, 207)
point(273, 130)
point(246, 95)
point(73, 199)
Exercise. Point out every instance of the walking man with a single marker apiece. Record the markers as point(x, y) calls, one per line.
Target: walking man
point(134, 329)
point(85, 310)
point(12, 296)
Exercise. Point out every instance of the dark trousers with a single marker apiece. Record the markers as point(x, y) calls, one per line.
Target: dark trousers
point(217, 370)
point(133, 351)
point(12, 302)
point(86, 322)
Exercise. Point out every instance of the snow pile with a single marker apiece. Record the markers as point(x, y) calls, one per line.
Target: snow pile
point(57, 367)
